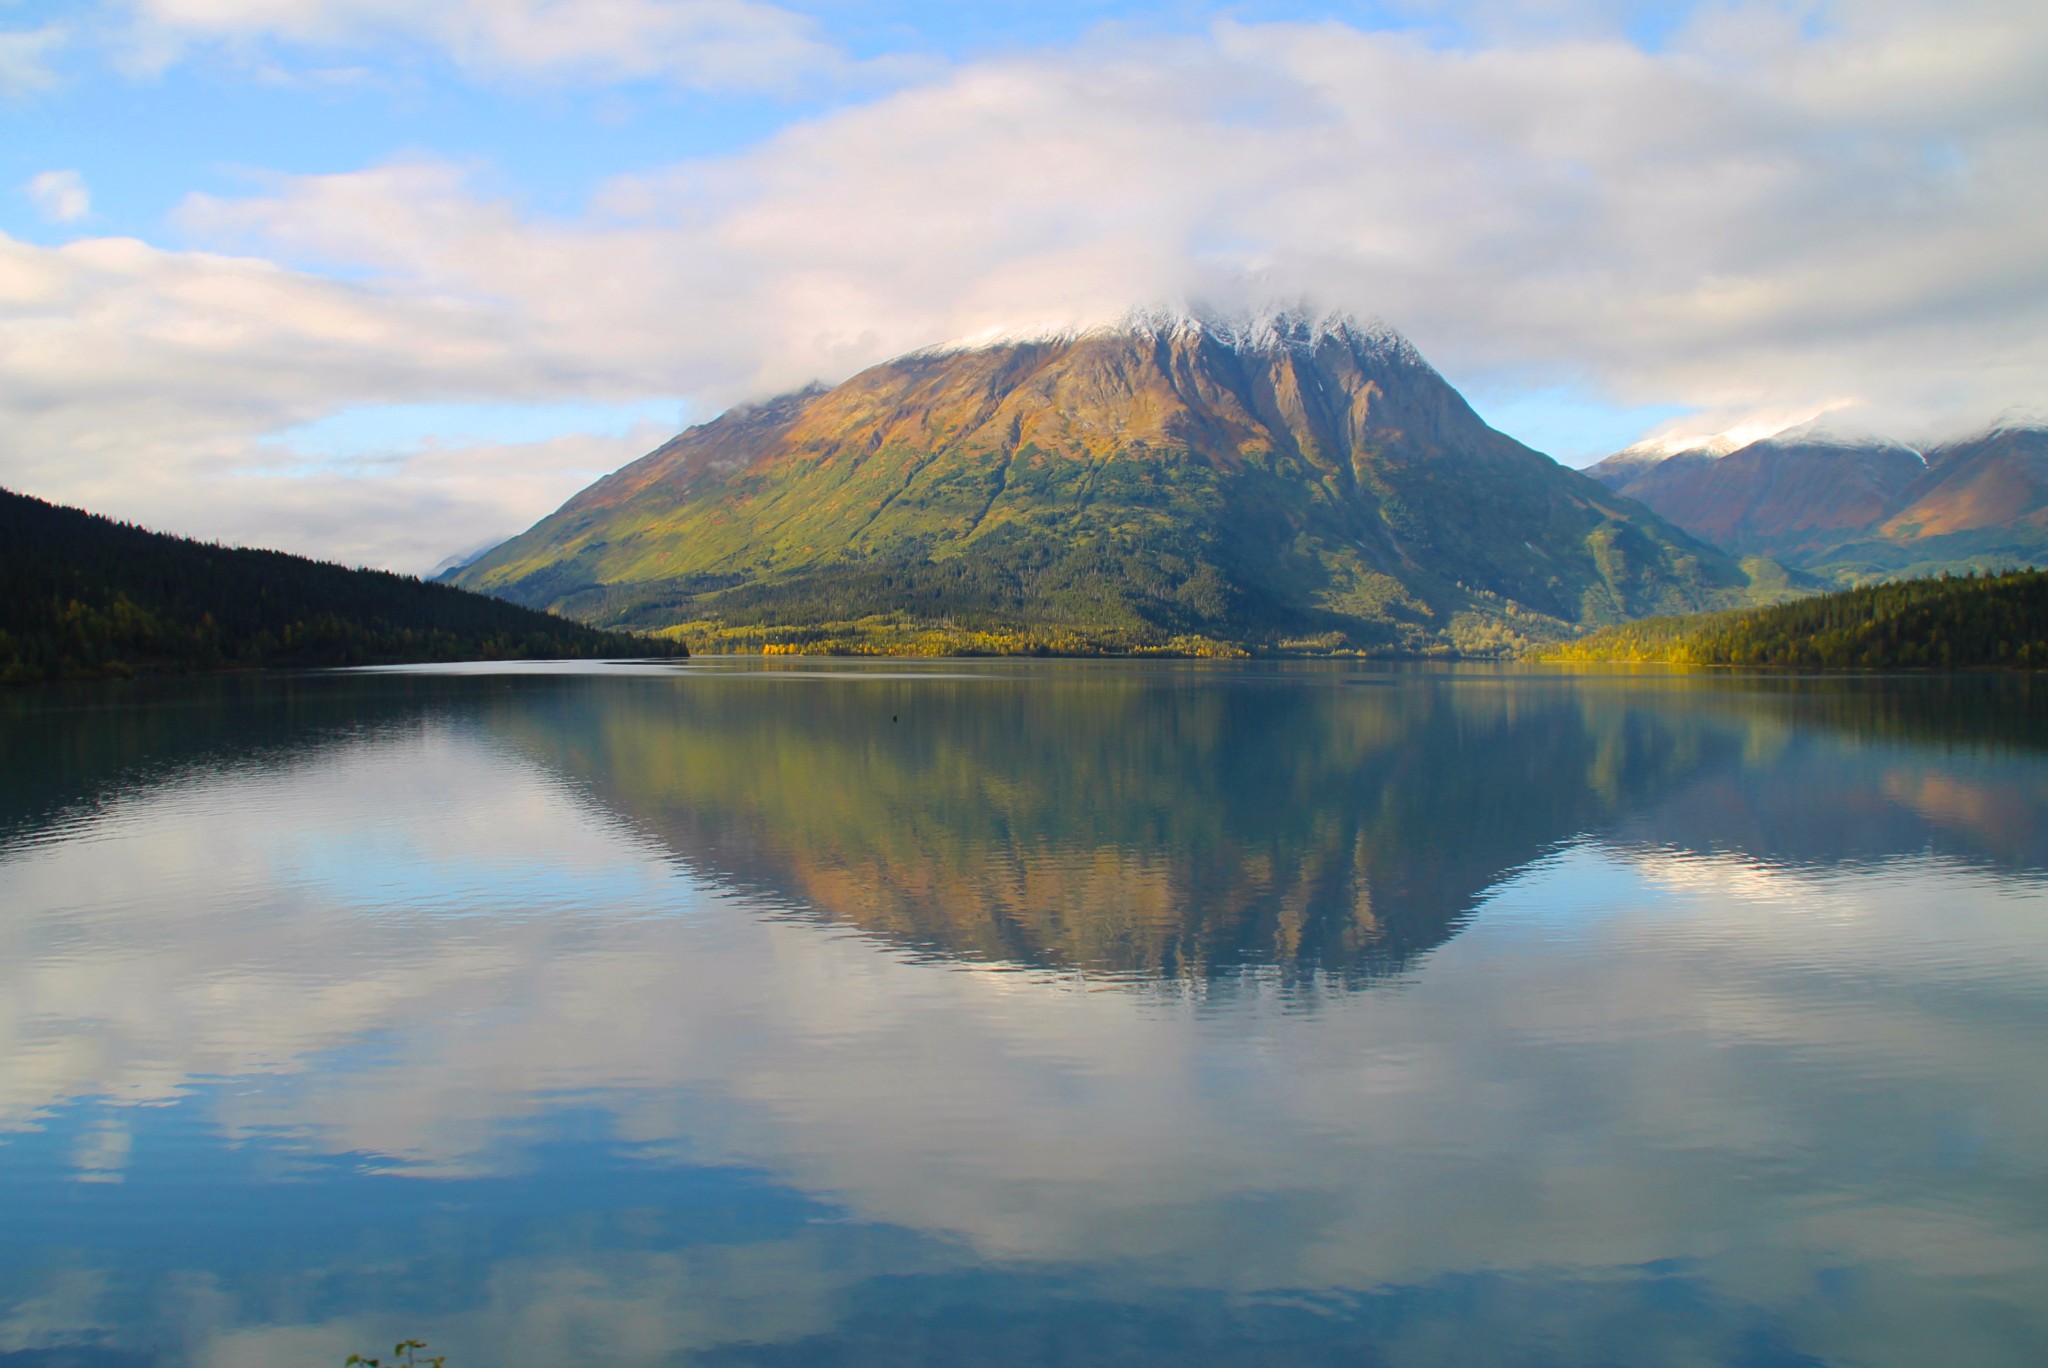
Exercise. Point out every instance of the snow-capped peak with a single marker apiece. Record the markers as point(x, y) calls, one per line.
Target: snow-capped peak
point(1295, 326)
point(1820, 433)
point(2017, 419)
point(1758, 427)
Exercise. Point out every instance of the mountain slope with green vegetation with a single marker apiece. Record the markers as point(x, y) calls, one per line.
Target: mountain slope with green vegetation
point(1175, 483)
point(83, 597)
point(1953, 622)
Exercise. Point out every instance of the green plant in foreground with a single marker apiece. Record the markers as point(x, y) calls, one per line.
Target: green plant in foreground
point(402, 1356)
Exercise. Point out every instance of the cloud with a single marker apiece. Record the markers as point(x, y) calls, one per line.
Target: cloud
point(1751, 219)
point(25, 60)
point(59, 196)
point(141, 382)
point(706, 44)
point(1763, 215)
point(408, 508)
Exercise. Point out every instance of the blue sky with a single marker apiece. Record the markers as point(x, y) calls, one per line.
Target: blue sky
point(144, 139)
point(382, 280)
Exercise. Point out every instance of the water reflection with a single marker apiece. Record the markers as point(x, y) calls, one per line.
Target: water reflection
point(1164, 823)
point(728, 1020)
point(1142, 827)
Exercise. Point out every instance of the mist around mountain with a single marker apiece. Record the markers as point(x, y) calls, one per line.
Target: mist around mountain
point(84, 597)
point(1855, 510)
point(1178, 482)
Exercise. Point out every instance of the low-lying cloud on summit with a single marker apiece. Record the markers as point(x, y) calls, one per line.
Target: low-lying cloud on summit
point(1772, 210)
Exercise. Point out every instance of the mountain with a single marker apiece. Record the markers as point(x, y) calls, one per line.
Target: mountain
point(1784, 497)
point(82, 596)
point(1855, 510)
point(1177, 480)
point(1942, 623)
point(1983, 504)
point(450, 564)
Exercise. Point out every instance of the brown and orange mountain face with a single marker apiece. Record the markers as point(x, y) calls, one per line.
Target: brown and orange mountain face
point(1280, 482)
point(1855, 511)
point(1986, 484)
point(1774, 498)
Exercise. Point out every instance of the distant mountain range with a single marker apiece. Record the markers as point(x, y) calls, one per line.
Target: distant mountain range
point(1178, 481)
point(1855, 509)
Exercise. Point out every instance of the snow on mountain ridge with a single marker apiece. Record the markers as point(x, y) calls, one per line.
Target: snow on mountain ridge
point(1292, 327)
point(2016, 419)
point(1816, 431)
point(1820, 434)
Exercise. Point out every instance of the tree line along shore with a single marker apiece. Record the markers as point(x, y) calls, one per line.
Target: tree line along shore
point(1948, 622)
point(85, 597)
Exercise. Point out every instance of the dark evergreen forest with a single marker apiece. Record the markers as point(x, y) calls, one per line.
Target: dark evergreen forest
point(1955, 621)
point(84, 597)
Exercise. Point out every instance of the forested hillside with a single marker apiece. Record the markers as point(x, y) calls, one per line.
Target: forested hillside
point(84, 597)
point(1950, 622)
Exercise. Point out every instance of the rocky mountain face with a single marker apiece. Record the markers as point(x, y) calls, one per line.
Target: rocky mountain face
point(1856, 510)
point(1286, 481)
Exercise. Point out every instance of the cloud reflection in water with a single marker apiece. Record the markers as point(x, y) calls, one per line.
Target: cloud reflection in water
point(706, 1016)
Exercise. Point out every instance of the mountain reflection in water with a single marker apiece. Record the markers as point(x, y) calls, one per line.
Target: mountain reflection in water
point(1155, 826)
point(1120, 825)
point(1171, 823)
point(1018, 1014)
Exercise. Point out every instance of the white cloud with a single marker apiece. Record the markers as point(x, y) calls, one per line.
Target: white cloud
point(1730, 227)
point(25, 60)
point(407, 509)
point(708, 44)
point(138, 382)
point(1751, 220)
point(59, 196)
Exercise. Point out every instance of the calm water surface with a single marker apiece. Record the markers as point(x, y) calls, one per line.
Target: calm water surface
point(1068, 1014)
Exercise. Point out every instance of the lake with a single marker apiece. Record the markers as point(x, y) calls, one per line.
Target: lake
point(747, 1013)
